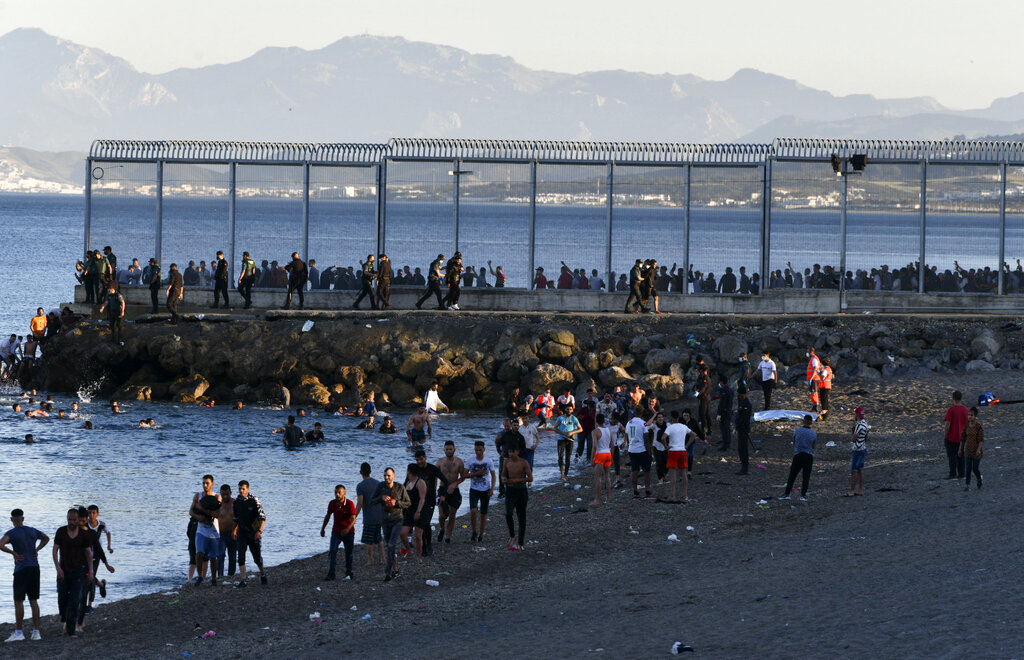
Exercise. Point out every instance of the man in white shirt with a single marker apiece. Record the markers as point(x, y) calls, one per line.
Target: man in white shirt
point(566, 399)
point(769, 376)
point(9, 350)
point(639, 451)
point(531, 435)
point(676, 435)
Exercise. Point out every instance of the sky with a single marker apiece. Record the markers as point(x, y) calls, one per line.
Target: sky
point(959, 52)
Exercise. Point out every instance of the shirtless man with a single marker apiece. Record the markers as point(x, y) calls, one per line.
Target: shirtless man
point(226, 519)
point(516, 474)
point(455, 471)
point(414, 429)
point(207, 534)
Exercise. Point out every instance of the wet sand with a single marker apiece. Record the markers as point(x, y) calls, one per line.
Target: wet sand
point(917, 567)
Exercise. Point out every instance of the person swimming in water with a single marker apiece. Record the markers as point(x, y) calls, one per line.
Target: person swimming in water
point(387, 427)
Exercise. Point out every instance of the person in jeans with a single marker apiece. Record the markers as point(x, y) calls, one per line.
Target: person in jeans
point(804, 439)
point(973, 437)
point(567, 427)
point(769, 376)
point(392, 496)
point(956, 420)
point(72, 557)
point(25, 544)
point(343, 531)
point(859, 452)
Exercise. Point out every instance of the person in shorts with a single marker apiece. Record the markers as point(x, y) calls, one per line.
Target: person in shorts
point(859, 451)
point(372, 512)
point(601, 457)
point(205, 506)
point(480, 471)
point(639, 451)
point(678, 436)
point(249, 523)
point(23, 546)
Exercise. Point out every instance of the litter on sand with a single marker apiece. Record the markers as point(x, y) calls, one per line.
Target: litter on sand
point(679, 647)
point(433, 583)
point(307, 326)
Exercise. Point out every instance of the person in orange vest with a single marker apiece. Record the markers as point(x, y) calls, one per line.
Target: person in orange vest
point(544, 407)
point(813, 365)
point(824, 385)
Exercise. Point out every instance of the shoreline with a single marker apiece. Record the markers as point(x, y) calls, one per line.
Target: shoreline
point(865, 575)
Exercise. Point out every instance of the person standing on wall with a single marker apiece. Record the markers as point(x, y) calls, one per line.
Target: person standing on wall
point(297, 277)
point(246, 279)
point(384, 275)
point(175, 291)
point(220, 280)
point(154, 283)
point(453, 277)
point(369, 274)
point(433, 282)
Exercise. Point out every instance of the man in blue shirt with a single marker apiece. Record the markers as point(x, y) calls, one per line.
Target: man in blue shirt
point(26, 571)
point(566, 426)
point(804, 439)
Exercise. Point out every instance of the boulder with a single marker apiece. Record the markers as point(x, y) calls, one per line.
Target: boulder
point(585, 383)
point(189, 389)
point(244, 393)
point(612, 376)
point(175, 355)
point(134, 393)
point(614, 344)
point(872, 356)
point(510, 372)
point(665, 388)
point(353, 378)
point(979, 365)
point(640, 345)
point(985, 342)
point(625, 361)
point(547, 375)
point(440, 370)
point(464, 400)
point(554, 351)
point(591, 362)
point(322, 363)
point(729, 347)
point(869, 373)
point(563, 337)
point(659, 360)
point(605, 359)
point(880, 330)
point(677, 370)
point(402, 393)
point(310, 391)
point(413, 363)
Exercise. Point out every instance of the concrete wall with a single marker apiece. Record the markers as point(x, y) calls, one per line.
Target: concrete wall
point(771, 302)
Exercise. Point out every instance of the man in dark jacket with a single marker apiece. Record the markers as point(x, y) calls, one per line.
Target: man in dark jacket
point(297, 275)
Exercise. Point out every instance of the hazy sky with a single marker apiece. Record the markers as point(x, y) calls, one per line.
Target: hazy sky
point(960, 52)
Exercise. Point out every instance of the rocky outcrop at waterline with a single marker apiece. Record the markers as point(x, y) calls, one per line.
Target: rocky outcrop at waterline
point(478, 358)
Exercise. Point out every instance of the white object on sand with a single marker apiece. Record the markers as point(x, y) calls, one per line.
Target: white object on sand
point(433, 583)
point(795, 415)
point(673, 537)
point(830, 444)
point(307, 326)
point(314, 616)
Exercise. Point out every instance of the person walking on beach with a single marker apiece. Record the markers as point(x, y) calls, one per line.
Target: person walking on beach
point(955, 421)
point(414, 513)
point(454, 469)
point(205, 506)
point(436, 493)
point(744, 411)
point(72, 557)
point(804, 440)
point(858, 453)
point(516, 475)
point(366, 281)
point(601, 458)
point(220, 280)
point(114, 305)
point(227, 550)
point(391, 496)
point(769, 376)
point(343, 530)
point(973, 438)
point(175, 292)
point(246, 279)
point(480, 471)
point(25, 544)
point(154, 283)
point(433, 282)
point(98, 529)
point(567, 427)
point(824, 385)
point(813, 367)
point(249, 523)
point(297, 278)
point(678, 438)
point(373, 514)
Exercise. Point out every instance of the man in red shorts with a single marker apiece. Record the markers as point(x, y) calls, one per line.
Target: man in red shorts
point(677, 434)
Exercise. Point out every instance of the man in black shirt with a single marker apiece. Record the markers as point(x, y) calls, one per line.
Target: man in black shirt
point(154, 282)
point(220, 280)
point(430, 474)
point(433, 282)
point(384, 274)
point(724, 412)
point(728, 282)
point(249, 523)
point(114, 305)
point(175, 292)
point(744, 411)
point(297, 275)
point(635, 282)
point(369, 274)
point(293, 435)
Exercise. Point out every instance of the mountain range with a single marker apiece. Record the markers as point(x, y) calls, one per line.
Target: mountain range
point(59, 96)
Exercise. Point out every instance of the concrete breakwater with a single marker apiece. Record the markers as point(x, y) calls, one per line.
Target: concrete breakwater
point(478, 357)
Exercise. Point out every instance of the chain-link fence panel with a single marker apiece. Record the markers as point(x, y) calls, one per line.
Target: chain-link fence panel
point(494, 223)
point(726, 217)
point(572, 222)
point(196, 215)
point(123, 210)
point(419, 213)
point(342, 222)
point(268, 218)
point(649, 220)
point(805, 226)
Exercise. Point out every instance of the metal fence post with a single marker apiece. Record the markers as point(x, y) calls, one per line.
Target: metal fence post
point(611, 207)
point(88, 203)
point(1002, 226)
point(922, 268)
point(686, 228)
point(456, 174)
point(842, 239)
point(232, 190)
point(159, 211)
point(305, 211)
point(382, 184)
point(533, 224)
point(766, 225)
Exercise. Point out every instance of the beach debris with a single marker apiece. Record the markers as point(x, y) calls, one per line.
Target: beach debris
point(368, 325)
point(200, 316)
point(186, 655)
point(307, 326)
point(673, 537)
point(208, 634)
point(762, 597)
point(314, 616)
point(354, 608)
point(679, 647)
point(689, 528)
point(762, 502)
point(830, 443)
point(318, 588)
point(433, 583)
point(443, 573)
point(577, 486)
point(579, 499)
point(557, 508)
point(366, 617)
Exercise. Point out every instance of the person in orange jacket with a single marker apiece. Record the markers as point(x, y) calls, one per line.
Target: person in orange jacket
point(813, 365)
point(824, 385)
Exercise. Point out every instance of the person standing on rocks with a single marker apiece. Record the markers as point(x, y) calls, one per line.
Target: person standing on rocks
point(297, 277)
point(516, 475)
point(175, 292)
point(369, 275)
point(25, 544)
point(114, 305)
point(804, 440)
point(454, 469)
point(246, 279)
point(769, 375)
point(384, 275)
point(154, 283)
point(249, 523)
point(744, 411)
point(434, 272)
point(955, 421)
point(395, 500)
point(220, 280)
point(480, 471)
point(343, 531)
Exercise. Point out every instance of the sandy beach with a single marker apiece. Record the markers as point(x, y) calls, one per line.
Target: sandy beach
point(916, 568)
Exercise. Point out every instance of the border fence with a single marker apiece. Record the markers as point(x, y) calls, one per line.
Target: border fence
point(870, 215)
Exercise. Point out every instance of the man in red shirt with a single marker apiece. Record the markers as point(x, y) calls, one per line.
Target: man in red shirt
point(565, 278)
point(343, 531)
point(956, 420)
